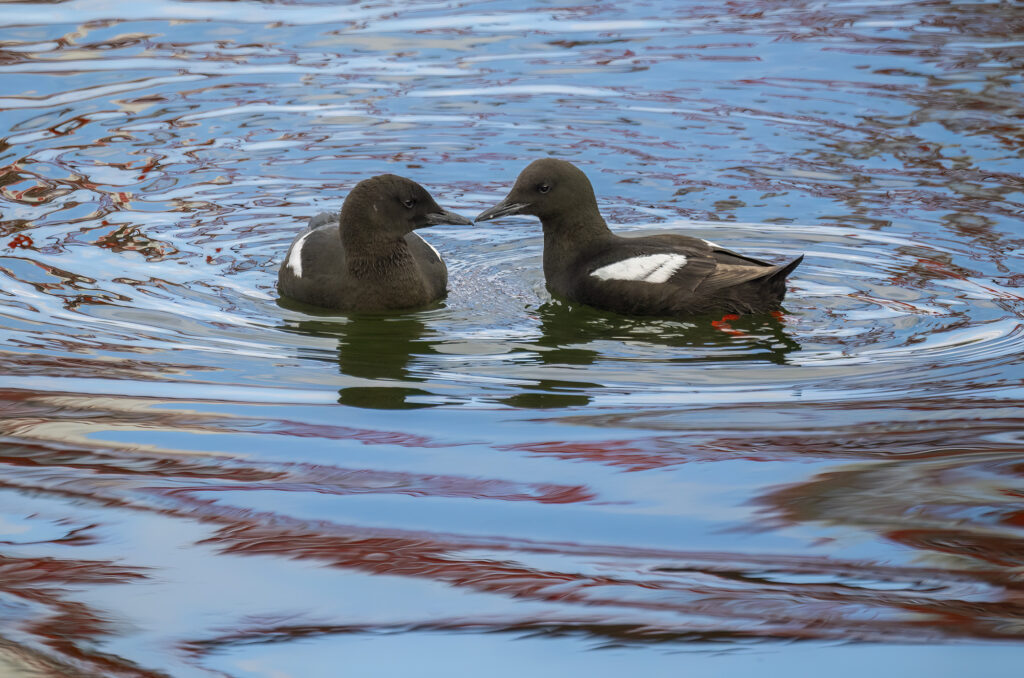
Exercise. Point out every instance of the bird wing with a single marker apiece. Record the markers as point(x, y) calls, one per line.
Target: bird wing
point(729, 275)
point(720, 254)
point(322, 219)
point(728, 257)
point(654, 263)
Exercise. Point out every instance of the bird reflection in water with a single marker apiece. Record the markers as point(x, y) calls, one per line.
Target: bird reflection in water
point(574, 335)
point(570, 334)
point(383, 348)
point(378, 348)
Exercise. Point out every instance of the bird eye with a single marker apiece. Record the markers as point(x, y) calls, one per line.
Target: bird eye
point(543, 188)
point(410, 203)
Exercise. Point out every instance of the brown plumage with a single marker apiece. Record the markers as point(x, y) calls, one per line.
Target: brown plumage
point(368, 258)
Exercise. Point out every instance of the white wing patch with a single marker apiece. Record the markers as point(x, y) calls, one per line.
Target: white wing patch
point(652, 268)
point(711, 244)
point(295, 256)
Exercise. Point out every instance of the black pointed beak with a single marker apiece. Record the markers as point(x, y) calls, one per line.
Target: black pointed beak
point(502, 209)
point(446, 217)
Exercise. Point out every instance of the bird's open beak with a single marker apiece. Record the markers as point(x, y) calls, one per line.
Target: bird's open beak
point(502, 209)
point(446, 217)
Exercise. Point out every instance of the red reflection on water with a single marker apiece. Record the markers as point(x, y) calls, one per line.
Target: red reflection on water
point(611, 593)
point(20, 240)
point(631, 454)
point(130, 238)
point(961, 508)
point(1001, 550)
point(68, 628)
point(714, 594)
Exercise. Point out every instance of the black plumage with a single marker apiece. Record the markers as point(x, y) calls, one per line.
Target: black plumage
point(665, 274)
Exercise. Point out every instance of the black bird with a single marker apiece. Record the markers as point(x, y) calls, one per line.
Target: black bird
point(367, 258)
point(665, 274)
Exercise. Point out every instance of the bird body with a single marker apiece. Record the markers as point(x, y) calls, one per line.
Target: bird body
point(319, 270)
point(666, 274)
point(367, 258)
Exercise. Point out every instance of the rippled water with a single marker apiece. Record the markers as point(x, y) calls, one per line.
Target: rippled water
point(200, 481)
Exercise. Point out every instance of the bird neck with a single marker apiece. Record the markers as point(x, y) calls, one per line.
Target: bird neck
point(376, 256)
point(569, 237)
point(574, 229)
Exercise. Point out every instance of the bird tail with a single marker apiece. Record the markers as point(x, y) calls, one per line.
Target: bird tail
point(776, 286)
point(784, 271)
point(766, 291)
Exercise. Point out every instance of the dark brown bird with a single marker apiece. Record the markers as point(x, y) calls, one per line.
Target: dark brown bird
point(665, 274)
point(368, 258)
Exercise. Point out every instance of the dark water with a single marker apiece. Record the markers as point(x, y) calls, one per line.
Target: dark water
point(198, 481)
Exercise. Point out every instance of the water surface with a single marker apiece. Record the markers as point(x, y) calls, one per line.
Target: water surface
point(198, 480)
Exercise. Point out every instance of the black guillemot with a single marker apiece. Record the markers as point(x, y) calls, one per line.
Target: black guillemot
point(368, 258)
point(665, 274)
